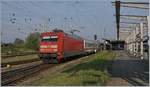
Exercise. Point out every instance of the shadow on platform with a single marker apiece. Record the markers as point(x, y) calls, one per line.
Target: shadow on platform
point(135, 71)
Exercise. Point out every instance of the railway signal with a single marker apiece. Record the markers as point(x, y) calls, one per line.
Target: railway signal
point(95, 37)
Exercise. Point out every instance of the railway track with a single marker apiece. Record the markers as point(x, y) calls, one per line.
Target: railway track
point(8, 78)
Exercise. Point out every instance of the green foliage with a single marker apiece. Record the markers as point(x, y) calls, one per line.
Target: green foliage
point(32, 41)
point(19, 45)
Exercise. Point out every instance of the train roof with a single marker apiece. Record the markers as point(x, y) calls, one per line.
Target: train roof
point(73, 36)
point(67, 34)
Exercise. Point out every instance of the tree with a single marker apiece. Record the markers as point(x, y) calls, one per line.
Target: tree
point(32, 41)
point(18, 41)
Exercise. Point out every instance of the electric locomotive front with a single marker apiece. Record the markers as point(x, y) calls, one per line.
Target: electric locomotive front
point(50, 47)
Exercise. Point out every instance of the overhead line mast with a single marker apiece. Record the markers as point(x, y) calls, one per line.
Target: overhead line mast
point(117, 5)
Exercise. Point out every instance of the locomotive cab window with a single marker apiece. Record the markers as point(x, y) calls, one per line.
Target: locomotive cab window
point(49, 39)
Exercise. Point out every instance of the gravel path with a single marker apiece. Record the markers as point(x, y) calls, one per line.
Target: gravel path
point(127, 71)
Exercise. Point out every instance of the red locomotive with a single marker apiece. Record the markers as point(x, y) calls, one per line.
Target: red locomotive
point(58, 45)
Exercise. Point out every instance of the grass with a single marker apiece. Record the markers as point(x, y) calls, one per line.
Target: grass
point(19, 58)
point(87, 73)
point(14, 49)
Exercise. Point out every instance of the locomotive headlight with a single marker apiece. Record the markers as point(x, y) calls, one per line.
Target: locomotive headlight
point(48, 46)
point(54, 46)
point(43, 46)
point(55, 50)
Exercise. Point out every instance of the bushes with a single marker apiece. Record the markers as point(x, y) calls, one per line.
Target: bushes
point(8, 48)
point(32, 41)
point(19, 45)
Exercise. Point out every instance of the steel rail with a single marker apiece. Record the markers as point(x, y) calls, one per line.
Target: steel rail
point(10, 77)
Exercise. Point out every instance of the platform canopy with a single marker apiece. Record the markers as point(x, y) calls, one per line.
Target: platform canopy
point(134, 17)
point(137, 23)
point(139, 5)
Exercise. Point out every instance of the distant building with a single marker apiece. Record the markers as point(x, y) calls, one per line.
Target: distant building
point(117, 45)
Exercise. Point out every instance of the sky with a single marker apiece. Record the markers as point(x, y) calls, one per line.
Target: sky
point(20, 18)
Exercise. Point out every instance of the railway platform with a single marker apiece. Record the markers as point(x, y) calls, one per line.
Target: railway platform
point(128, 71)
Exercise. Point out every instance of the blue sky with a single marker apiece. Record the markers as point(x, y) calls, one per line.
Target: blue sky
point(19, 18)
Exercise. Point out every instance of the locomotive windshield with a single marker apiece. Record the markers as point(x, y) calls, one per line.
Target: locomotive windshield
point(49, 39)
